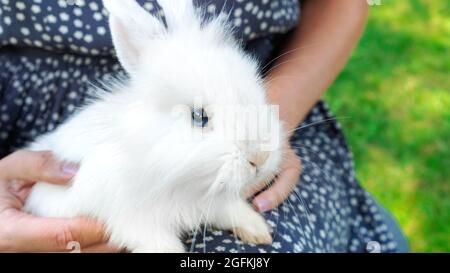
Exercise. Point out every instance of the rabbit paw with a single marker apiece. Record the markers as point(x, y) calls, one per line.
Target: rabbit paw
point(253, 229)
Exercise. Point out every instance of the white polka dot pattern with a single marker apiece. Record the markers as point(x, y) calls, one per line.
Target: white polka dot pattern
point(81, 26)
point(57, 48)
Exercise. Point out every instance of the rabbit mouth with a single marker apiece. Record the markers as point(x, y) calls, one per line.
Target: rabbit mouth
point(238, 174)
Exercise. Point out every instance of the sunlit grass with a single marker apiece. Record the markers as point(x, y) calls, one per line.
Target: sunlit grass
point(396, 91)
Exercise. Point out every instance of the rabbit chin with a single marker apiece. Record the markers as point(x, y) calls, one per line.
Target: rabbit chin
point(237, 176)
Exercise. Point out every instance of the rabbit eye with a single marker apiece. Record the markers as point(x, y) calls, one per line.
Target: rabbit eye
point(199, 117)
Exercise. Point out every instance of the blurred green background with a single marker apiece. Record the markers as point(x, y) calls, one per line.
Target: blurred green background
point(395, 97)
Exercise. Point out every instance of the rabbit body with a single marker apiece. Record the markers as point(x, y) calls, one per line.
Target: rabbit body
point(145, 171)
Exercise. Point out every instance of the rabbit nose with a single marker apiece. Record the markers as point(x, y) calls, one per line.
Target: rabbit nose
point(257, 159)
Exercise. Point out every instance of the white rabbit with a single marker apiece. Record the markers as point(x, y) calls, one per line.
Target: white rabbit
point(148, 174)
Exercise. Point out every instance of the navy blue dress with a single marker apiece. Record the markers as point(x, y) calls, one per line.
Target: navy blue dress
point(51, 51)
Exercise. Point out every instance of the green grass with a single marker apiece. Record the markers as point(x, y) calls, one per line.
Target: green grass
point(396, 92)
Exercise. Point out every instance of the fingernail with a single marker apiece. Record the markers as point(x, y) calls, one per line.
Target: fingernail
point(70, 168)
point(262, 205)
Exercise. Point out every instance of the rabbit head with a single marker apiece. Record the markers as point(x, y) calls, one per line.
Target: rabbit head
point(216, 131)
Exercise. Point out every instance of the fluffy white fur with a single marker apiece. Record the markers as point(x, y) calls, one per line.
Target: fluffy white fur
point(139, 172)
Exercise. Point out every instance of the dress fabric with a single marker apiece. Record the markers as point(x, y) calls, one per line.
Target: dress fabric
point(51, 52)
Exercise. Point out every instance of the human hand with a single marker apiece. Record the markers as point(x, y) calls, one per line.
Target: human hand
point(22, 232)
point(283, 185)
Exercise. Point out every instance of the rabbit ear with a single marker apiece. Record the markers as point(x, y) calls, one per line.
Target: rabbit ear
point(131, 29)
point(179, 13)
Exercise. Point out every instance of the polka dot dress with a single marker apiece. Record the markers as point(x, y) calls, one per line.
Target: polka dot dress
point(53, 51)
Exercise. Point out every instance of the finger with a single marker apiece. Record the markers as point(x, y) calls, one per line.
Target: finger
point(33, 234)
point(22, 193)
point(36, 166)
point(254, 189)
point(278, 192)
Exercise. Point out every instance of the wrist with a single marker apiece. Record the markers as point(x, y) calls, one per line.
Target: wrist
point(292, 109)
